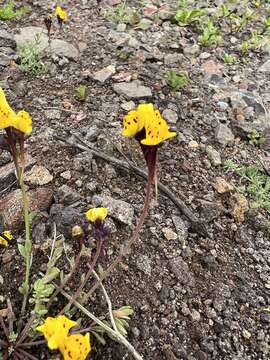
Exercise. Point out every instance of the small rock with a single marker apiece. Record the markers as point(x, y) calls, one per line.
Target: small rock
point(66, 175)
point(182, 271)
point(65, 217)
point(213, 155)
point(246, 334)
point(193, 144)
point(239, 207)
point(11, 206)
point(38, 175)
point(52, 114)
point(117, 209)
point(265, 67)
point(132, 90)
point(169, 233)
point(64, 49)
point(195, 315)
point(223, 106)
point(144, 264)
point(104, 74)
point(128, 105)
point(121, 27)
point(222, 186)
point(192, 50)
point(224, 135)
point(67, 195)
point(170, 115)
point(182, 228)
point(8, 256)
point(173, 58)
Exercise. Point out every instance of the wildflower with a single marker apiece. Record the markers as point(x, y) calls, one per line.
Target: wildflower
point(61, 15)
point(96, 214)
point(5, 237)
point(55, 331)
point(76, 347)
point(150, 129)
point(147, 125)
point(48, 23)
point(23, 122)
point(7, 115)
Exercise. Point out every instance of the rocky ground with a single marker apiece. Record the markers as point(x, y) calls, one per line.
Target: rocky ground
point(194, 297)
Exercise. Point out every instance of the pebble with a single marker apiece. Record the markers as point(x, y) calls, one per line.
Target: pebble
point(38, 175)
point(224, 135)
point(104, 74)
point(117, 209)
point(213, 155)
point(66, 175)
point(222, 186)
point(67, 195)
point(246, 334)
point(169, 233)
point(132, 90)
point(265, 67)
point(170, 115)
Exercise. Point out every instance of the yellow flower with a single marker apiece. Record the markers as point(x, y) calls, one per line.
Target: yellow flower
point(60, 13)
point(145, 116)
point(156, 130)
point(96, 214)
point(7, 115)
point(76, 347)
point(55, 331)
point(23, 122)
point(5, 237)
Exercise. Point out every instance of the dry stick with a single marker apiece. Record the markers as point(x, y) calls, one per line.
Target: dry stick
point(24, 332)
point(27, 355)
point(11, 317)
point(109, 303)
point(3, 343)
point(87, 276)
point(98, 321)
point(2, 323)
point(32, 343)
point(197, 224)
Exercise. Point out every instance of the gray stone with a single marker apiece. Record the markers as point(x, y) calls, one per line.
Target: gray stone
point(64, 49)
point(90, 132)
point(121, 27)
point(117, 209)
point(128, 105)
point(132, 90)
point(224, 135)
point(172, 58)
point(52, 114)
point(181, 227)
point(7, 39)
point(67, 195)
point(265, 67)
point(32, 34)
point(213, 156)
point(104, 74)
point(192, 50)
point(65, 217)
point(170, 115)
point(39, 35)
point(181, 271)
point(144, 264)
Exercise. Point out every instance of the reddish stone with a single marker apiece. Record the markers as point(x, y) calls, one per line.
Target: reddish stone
point(11, 207)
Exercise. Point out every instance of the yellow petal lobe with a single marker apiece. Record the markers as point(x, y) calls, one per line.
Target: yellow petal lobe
point(76, 347)
point(97, 214)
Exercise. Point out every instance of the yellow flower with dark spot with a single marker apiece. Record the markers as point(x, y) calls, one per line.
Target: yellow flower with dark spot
point(7, 115)
point(23, 122)
point(76, 347)
point(96, 214)
point(5, 237)
point(145, 116)
point(60, 13)
point(55, 331)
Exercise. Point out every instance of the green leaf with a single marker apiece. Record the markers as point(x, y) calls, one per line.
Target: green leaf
point(144, 24)
point(22, 250)
point(99, 337)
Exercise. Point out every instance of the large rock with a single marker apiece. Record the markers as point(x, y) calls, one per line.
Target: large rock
point(37, 34)
point(11, 207)
point(132, 90)
point(117, 209)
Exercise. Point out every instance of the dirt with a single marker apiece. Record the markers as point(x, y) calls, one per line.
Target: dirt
point(193, 297)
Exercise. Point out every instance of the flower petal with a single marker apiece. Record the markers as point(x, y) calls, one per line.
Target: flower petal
point(97, 214)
